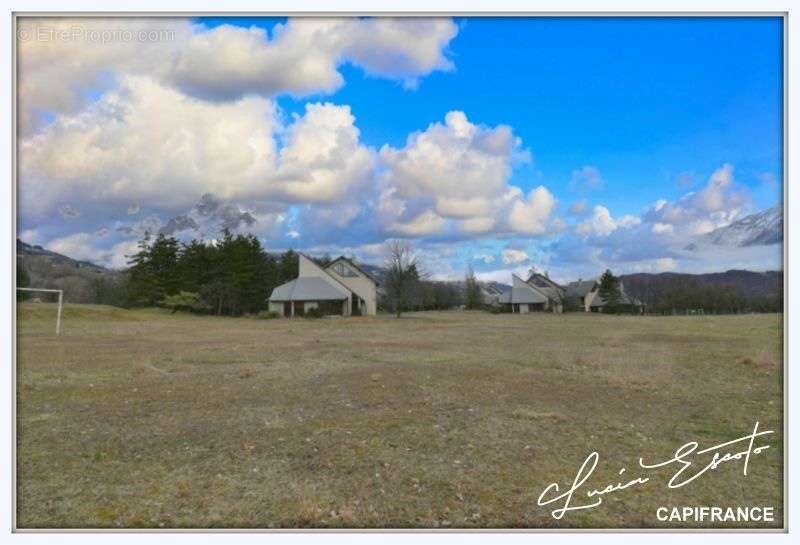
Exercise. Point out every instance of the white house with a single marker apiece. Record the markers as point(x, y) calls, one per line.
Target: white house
point(522, 297)
point(341, 288)
point(538, 293)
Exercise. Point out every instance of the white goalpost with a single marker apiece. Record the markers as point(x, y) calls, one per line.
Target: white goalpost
point(60, 301)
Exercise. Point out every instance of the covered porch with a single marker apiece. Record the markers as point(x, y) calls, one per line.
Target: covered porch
point(299, 296)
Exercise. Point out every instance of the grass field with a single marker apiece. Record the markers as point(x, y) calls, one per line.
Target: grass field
point(436, 420)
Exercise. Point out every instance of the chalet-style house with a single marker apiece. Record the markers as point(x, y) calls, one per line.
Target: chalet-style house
point(538, 293)
point(341, 288)
point(550, 289)
point(584, 295)
point(578, 295)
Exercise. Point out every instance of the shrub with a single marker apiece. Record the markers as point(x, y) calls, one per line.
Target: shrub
point(313, 313)
point(185, 301)
point(268, 315)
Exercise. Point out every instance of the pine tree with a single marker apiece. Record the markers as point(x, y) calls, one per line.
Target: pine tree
point(153, 272)
point(233, 275)
point(288, 267)
point(609, 291)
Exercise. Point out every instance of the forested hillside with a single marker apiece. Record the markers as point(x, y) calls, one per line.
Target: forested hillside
point(730, 291)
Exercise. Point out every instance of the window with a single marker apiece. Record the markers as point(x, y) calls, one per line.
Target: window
point(343, 270)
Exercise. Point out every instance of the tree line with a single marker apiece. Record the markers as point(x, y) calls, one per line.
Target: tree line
point(235, 275)
point(684, 295)
point(232, 276)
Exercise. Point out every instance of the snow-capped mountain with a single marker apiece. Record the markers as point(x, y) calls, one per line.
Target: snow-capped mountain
point(762, 228)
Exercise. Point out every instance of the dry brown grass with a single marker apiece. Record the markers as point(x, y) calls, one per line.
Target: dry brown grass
point(460, 419)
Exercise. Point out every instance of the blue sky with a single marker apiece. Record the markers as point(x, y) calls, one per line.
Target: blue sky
point(573, 137)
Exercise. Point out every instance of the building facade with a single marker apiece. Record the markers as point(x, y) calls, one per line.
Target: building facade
point(339, 289)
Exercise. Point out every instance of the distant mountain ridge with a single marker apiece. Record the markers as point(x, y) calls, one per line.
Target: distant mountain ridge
point(747, 284)
point(761, 228)
point(81, 281)
point(25, 250)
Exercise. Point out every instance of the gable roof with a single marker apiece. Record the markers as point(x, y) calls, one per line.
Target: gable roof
point(624, 299)
point(550, 292)
point(352, 264)
point(522, 295)
point(492, 289)
point(325, 271)
point(522, 292)
point(580, 288)
point(326, 275)
point(542, 280)
point(307, 288)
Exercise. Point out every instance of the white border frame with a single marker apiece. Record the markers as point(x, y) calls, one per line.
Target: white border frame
point(419, 7)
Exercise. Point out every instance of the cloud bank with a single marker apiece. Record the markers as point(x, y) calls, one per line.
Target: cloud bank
point(185, 135)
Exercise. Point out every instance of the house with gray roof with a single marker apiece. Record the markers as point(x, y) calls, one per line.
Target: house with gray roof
point(585, 295)
point(578, 295)
point(540, 293)
point(596, 303)
point(549, 288)
point(522, 298)
point(341, 288)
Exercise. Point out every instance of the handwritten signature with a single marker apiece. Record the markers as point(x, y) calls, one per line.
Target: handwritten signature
point(685, 459)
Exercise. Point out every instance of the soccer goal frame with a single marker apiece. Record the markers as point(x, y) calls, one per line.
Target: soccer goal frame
point(60, 303)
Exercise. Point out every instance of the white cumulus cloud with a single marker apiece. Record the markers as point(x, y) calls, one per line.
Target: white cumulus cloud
point(459, 171)
point(716, 204)
point(150, 143)
point(602, 224)
point(663, 228)
point(300, 57)
point(511, 256)
point(425, 223)
point(531, 215)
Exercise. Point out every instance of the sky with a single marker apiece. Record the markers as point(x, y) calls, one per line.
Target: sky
point(568, 145)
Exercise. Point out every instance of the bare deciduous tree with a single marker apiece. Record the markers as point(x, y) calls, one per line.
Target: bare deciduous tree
point(403, 276)
point(473, 298)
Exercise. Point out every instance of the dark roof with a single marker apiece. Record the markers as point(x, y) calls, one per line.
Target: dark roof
point(580, 288)
point(493, 289)
point(541, 280)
